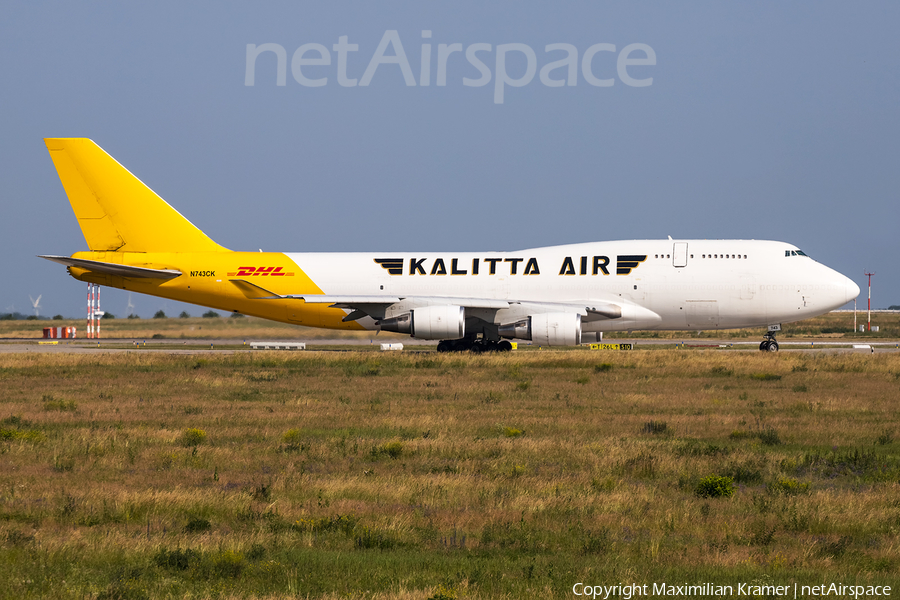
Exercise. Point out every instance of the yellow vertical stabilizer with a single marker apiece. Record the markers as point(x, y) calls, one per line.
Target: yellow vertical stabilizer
point(116, 211)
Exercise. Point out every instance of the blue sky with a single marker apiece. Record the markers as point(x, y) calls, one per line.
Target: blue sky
point(763, 120)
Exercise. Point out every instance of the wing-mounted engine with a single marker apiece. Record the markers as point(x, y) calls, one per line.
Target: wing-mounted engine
point(546, 329)
point(429, 322)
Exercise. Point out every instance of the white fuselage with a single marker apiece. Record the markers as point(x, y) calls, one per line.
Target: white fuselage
point(680, 284)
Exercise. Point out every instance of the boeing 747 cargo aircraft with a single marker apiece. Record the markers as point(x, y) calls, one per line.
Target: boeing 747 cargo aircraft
point(554, 296)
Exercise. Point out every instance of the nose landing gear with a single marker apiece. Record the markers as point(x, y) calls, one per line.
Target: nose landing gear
point(769, 344)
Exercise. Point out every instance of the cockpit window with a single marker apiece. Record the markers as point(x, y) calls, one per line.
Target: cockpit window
point(794, 253)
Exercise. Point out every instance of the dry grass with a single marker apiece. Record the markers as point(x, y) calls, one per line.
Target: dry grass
point(414, 475)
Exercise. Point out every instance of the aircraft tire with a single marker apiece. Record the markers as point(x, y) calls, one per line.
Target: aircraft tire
point(764, 346)
point(443, 346)
point(773, 346)
point(504, 346)
point(459, 346)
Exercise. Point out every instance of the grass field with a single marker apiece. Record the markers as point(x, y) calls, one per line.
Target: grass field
point(335, 475)
point(836, 326)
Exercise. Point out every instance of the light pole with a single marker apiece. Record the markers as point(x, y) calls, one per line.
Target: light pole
point(869, 311)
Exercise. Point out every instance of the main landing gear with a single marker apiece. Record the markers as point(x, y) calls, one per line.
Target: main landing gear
point(769, 344)
point(475, 346)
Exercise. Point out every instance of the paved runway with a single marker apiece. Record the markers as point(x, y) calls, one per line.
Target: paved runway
point(173, 346)
point(177, 346)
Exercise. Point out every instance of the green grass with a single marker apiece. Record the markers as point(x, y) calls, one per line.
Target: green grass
point(423, 475)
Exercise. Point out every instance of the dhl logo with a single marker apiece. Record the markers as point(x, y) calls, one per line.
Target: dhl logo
point(254, 271)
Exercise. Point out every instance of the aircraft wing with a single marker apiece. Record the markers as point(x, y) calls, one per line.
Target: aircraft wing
point(113, 268)
point(354, 301)
point(362, 305)
point(590, 310)
point(251, 290)
point(346, 301)
point(375, 305)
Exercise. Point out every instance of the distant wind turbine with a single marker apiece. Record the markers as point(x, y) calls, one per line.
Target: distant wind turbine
point(36, 304)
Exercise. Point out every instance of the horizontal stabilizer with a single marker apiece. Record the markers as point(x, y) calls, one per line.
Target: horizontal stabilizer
point(114, 269)
point(354, 301)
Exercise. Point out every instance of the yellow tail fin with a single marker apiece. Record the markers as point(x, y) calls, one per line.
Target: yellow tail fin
point(116, 211)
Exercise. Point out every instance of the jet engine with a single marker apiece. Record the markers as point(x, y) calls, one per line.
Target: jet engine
point(546, 329)
point(429, 323)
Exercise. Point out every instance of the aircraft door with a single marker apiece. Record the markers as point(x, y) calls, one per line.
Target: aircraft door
point(680, 254)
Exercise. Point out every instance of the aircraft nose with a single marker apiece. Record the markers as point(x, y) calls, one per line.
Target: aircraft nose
point(851, 289)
